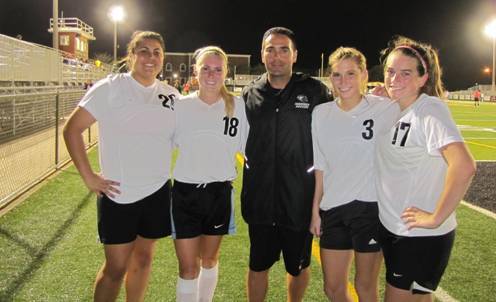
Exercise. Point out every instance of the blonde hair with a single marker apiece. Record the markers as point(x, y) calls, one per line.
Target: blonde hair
point(354, 54)
point(200, 55)
point(427, 62)
point(136, 39)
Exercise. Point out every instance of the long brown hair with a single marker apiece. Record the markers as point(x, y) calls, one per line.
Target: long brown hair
point(427, 62)
point(200, 55)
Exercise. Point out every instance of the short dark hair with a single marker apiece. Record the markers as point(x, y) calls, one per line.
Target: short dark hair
point(278, 30)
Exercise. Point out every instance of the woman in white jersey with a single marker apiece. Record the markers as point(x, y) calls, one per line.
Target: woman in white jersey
point(211, 129)
point(424, 169)
point(135, 119)
point(345, 214)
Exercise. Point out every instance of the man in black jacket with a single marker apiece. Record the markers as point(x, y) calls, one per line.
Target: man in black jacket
point(278, 180)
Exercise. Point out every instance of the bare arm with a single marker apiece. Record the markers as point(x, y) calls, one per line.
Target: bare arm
point(317, 198)
point(78, 122)
point(461, 169)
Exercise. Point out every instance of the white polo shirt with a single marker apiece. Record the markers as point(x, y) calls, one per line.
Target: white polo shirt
point(344, 148)
point(136, 125)
point(208, 140)
point(411, 168)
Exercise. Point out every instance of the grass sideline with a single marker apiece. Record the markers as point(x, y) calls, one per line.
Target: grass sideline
point(51, 253)
point(478, 127)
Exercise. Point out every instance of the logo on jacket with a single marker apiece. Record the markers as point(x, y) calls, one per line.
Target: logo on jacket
point(302, 102)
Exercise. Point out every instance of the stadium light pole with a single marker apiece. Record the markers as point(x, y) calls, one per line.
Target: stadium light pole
point(55, 25)
point(490, 30)
point(116, 14)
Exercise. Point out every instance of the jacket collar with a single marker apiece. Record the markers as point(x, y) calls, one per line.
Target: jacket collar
point(262, 82)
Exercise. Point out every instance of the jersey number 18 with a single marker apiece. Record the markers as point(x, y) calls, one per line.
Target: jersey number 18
point(230, 126)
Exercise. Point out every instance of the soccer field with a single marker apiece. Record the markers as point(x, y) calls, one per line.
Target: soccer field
point(50, 250)
point(478, 127)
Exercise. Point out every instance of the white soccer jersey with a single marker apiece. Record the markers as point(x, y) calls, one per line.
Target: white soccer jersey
point(344, 148)
point(411, 168)
point(136, 125)
point(208, 140)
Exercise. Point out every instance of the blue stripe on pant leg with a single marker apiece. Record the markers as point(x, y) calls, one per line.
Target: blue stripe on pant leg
point(173, 227)
point(232, 221)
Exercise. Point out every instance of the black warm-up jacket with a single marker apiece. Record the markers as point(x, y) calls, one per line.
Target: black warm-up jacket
point(278, 177)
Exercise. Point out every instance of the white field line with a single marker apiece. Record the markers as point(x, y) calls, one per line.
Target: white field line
point(480, 210)
point(443, 296)
point(440, 293)
point(475, 120)
point(475, 128)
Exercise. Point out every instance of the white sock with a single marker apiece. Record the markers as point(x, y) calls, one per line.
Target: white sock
point(208, 283)
point(187, 290)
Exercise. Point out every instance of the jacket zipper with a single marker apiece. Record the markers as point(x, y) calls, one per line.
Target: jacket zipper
point(276, 178)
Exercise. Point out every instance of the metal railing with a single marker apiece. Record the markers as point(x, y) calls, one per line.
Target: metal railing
point(467, 95)
point(24, 63)
point(39, 88)
point(20, 60)
point(31, 144)
point(68, 24)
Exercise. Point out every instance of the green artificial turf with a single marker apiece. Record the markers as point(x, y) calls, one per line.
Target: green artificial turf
point(50, 250)
point(478, 127)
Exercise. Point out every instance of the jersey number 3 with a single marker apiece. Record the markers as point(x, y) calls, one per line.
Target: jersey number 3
point(230, 126)
point(369, 132)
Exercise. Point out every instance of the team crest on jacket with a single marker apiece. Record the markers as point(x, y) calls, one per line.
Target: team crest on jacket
point(302, 102)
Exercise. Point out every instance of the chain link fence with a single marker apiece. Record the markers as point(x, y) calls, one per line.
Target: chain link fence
point(31, 143)
point(39, 88)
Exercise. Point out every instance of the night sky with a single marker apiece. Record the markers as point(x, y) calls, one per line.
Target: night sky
point(455, 27)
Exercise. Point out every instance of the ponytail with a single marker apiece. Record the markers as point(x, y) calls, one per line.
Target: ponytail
point(228, 98)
